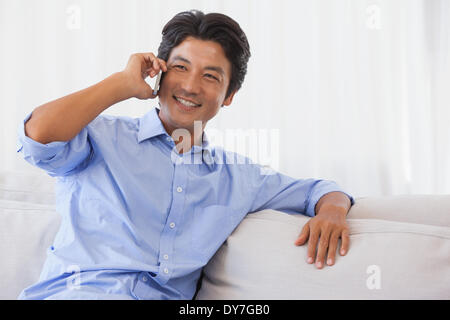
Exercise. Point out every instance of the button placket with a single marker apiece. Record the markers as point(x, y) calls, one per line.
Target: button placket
point(173, 218)
point(142, 286)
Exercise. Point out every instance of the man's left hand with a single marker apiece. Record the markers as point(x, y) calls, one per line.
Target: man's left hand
point(325, 229)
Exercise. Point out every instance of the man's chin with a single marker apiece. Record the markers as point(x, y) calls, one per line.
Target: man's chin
point(179, 123)
point(176, 119)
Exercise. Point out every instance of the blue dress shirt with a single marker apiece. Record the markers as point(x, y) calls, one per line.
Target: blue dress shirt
point(139, 220)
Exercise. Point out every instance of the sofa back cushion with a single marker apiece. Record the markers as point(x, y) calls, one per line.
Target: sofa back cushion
point(387, 259)
point(30, 187)
point(422, 209)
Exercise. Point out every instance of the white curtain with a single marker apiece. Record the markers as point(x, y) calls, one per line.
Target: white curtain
point(354, 91)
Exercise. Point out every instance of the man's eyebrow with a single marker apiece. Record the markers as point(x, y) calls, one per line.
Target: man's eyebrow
point(181, 58)
point(214, 68)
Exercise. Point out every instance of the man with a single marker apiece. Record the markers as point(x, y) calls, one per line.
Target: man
point(139, 221)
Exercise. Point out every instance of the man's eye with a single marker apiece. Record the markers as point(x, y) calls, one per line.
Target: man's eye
point(211, 76)
point(179, 67)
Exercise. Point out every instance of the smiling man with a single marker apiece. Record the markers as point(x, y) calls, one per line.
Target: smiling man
point(196, 86)
point(135, 223)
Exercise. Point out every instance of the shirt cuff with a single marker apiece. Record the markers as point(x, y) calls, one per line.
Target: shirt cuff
point(29, 147)
point(319, 190)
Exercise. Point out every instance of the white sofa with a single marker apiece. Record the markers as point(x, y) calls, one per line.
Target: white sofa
point(399, 249)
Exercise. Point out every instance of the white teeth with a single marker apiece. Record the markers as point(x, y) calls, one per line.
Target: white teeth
point(187, 103)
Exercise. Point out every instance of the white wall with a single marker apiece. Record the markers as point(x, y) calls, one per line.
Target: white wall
point(357, 90)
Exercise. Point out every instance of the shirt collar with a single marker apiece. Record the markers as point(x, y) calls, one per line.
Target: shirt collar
point(150, 126)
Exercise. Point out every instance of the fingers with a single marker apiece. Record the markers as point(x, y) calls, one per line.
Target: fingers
point(312, 244)
point(323, 240)
point(154, 64)
point(345, 242)
point(138, 68)
point(323, 246)
point(304, 234)
point(334, 239)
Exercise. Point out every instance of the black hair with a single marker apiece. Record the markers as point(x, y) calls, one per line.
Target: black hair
point(214, 27)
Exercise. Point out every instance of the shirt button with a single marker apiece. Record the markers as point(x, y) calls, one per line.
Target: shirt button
point(166, 270)
point(144, 278)
point(172, 225)
point(179, 189)
point(166, 257)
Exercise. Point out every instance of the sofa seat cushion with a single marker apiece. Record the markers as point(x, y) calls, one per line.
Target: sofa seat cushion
point(26, 232)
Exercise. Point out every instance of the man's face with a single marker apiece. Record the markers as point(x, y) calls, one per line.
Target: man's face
point(195, 84)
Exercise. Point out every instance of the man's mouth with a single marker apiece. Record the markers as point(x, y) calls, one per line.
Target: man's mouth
point(187, 103)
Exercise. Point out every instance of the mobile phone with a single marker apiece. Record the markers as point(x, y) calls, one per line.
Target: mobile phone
point(158, 78)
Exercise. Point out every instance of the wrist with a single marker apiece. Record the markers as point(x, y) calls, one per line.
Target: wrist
point(123, 87)
point(336, 209)
point(336, 201)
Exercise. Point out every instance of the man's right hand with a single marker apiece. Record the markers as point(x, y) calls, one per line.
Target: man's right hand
point(139, 67)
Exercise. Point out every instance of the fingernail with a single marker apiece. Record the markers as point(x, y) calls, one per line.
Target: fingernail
point(310, 260)
point(342, 252)
point(319, 264)
point(329, 262)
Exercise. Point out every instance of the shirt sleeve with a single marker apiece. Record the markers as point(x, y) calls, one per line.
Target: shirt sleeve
point(274, 190)
point(58, 158)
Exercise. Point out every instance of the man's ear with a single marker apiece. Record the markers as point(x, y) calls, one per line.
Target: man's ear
point(228, 100)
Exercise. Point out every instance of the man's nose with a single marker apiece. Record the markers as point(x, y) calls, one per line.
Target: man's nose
point(191, 84)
